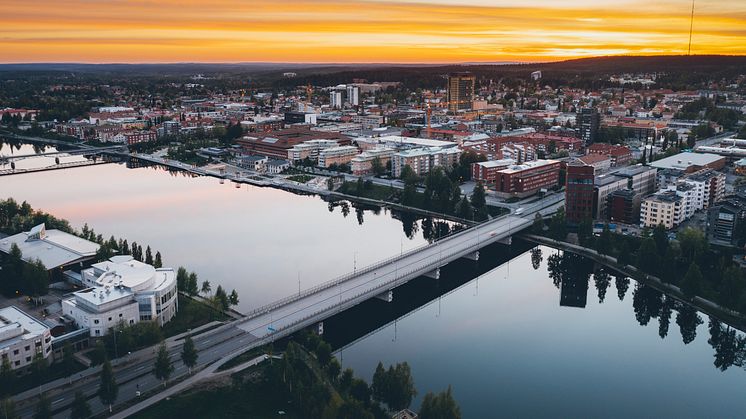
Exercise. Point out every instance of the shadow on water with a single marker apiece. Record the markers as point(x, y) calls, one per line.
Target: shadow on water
point(350, 326)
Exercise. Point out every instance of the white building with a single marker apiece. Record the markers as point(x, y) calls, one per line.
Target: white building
point(667, 208)
point(353, 95)
point(123, 290)
point(22, 337)
point(335, 99)
point(54, 248)
point(423, 160)
point(339, 155)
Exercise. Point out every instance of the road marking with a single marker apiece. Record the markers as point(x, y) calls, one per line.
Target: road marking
point(57, 401)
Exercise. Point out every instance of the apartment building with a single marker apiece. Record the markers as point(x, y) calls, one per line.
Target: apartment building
point(337, 155)
point(22, 337)
point(665, 208)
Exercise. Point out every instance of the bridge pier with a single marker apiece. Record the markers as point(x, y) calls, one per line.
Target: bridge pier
point(387, 296)
point(320, 328)
point(434, 274)
point(472, 256)
point(506, 240)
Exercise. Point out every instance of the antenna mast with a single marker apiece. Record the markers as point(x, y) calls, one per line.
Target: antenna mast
point(691, 26)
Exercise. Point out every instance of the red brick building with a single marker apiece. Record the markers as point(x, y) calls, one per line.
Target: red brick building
point(579, 192)
point(618, 154)
point(486, 171)
point(527, 178)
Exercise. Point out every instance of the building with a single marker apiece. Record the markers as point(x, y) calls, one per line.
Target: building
point(353, 95)
point(527, 178)
point(728, 220)
point(362, 164)
point(22, 337)
point(588, 121)
point(276, 166)
point(691, 162)
point(641, 179)
point(122, 290)
point(54, 248)
point(335, 99)
point(603, 187)
point(666, 208)
point(624, 206)
point(337, 155)
point(309, 149)
point(599, 162)
point(134, 137)
point(486, 171)
point(460, 91)
point(619, 155)
point(709, 185)
point(579, 192)
point(422, 160)
point(275, 144)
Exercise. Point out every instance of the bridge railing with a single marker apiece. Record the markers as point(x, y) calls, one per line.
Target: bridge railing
point(336, 281)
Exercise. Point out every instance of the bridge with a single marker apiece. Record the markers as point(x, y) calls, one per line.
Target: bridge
point(80, 152)
point(312, 306)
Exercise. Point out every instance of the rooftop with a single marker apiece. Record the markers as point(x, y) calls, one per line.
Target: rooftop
point(16, 325)
point(53, 248)
point(684, 160)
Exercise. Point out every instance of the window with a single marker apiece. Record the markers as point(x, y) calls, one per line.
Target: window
point(98, 332)
point(15, 352)
point(95, 321)
point(27, 348)
point(28, 359)
point(17, 363)
point(120, 315)
point(109, 318)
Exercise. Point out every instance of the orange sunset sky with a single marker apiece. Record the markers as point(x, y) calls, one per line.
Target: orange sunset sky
point(361, 30)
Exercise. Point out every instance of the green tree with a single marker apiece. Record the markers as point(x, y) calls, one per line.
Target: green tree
point(585, 231)
point(158, 263)
point(691, 285)
point(323, 353)
point(379, 387)
point(9, 409)
point(148, 256)
point(80, 408)
point(400, 386)
point(440, 406)
point(43, 408)
point(605, 244)
point(192, 287)
point(377, 167)
point(222, 298)
point(693, 243)
point(206, 287)
point(182, 278)
point(39, 367)
point(108, 389)
point(478, 199)
point(408, 175)
point(189, 353)
point(464, 209)
point(68, 358)
point(625, 253)
point(647, 256)
point(36, 278)
point(7, 378)
point(163, 367)
point(558, 225)
point(233, 298)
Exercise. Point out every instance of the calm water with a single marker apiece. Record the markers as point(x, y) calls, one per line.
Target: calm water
point(509, 348)
point(517, 334)
point(260, 241)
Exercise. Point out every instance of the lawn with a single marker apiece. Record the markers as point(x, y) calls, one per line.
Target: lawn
point(191, 314)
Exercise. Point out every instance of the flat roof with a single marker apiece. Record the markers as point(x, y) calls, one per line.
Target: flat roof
point(53, 247)
point(12, 318)
point(684, 160)
point(496, 163)
point(528, 165)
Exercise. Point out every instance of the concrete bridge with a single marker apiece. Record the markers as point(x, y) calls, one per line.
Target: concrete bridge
point(79, 152)
point(312, 306)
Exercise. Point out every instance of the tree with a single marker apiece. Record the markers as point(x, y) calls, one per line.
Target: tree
point(80, 408)
point(377, 167)
point(400, 387)
point(585, 231)
point(440, 406)
point(148, 256)
point(323, 353)
point(108, 389)
point(538, 226)
point(221, 298)
point(39, 367)
point(647, 256)
point(163, 367)
point(605, 245)
point(478, 201)
point(158, 263)
point(43, 408)
point(7, 378)
point(691, 285)
point(182, 278)
point(558, 225)
point(9, 409)
point(693, 243)
point(189, 353)
point(408, 175)
point(192, 287)
point(68, 358)
point(379, 386)
point(206, 287)
point(233, 298)
point(464, 209)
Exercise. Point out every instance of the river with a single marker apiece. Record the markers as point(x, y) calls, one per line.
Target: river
point(523, 332)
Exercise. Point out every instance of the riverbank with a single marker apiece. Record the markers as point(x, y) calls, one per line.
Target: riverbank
point(733, 318)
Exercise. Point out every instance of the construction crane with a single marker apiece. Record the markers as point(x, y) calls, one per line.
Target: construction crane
point(429, 113)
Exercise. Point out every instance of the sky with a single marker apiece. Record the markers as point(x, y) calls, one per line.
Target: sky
point(369, 31)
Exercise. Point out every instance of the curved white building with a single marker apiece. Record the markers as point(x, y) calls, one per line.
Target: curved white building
point(124, 290)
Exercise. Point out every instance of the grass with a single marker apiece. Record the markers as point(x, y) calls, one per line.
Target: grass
point(54, 372)
point(373, 191)
point(191, 314)
point(300, 178)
